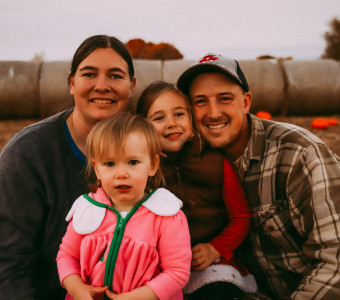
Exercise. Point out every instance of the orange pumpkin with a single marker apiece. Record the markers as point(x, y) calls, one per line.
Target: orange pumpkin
point(264, 115)
point(320, 123)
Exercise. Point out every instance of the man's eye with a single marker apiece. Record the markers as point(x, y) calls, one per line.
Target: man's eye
point(116, 76)
point(133, 162)
point(225, 99)
point(199, 102)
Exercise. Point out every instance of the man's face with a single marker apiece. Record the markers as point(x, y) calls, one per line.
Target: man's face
point(220, 108)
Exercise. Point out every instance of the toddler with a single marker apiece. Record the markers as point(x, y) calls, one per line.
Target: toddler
point(128, 238)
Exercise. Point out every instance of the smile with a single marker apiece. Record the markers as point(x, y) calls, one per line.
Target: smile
point(102, 101)
point(216, 127)
point(173, 136)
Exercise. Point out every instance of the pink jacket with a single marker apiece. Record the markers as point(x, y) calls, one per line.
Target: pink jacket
point(155, 248)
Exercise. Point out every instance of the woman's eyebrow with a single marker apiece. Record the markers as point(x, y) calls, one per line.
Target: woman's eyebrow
point(88, 68)
point(91, 68)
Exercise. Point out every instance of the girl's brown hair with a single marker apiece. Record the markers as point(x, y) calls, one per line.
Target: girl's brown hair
point(152, 92)
point(113, 132)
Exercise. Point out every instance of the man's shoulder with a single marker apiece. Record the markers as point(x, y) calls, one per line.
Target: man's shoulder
point(276, 131)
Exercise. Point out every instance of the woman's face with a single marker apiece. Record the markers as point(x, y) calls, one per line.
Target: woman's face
point(171, 118)
point(101, 85)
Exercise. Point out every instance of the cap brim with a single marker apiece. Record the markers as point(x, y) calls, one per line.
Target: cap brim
point(189, 75)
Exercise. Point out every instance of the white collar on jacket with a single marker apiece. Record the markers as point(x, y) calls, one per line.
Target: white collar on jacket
point(87, 217)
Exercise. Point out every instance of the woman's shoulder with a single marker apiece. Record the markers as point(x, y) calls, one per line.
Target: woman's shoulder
point(38, 134)
point(51, 123)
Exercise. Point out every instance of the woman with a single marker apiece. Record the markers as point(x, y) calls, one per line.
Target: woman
point(41, 170)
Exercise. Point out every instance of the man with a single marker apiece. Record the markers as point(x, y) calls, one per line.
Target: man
point(291, 180)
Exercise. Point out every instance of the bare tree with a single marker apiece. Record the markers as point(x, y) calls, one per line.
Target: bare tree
point(332, 38)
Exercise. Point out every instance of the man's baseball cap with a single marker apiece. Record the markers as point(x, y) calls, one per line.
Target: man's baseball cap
point(212, 63)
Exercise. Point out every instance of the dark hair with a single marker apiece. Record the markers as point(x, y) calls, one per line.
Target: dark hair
point(101, 41)
point(152, 92)
point(111, 134)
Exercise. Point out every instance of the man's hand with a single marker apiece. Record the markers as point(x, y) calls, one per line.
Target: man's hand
point(203, 255)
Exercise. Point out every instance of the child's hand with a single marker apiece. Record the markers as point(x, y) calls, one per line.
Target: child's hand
point(111, 295)
point(203, 255)
point(144, 292)
point(89, 292)
point(81, 291)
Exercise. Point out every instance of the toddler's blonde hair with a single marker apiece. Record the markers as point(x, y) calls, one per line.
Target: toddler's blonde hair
point(113, 132)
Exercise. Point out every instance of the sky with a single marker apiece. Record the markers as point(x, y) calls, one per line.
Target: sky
point(242, 29)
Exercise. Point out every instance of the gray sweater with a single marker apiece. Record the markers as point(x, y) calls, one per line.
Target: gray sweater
point(40, 177)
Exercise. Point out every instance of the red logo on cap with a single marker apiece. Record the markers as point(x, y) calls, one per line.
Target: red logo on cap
point(208, 58)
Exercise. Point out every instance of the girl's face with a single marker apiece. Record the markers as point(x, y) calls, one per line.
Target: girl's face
point(124, 174)
point(171, 118)
point(101, 85)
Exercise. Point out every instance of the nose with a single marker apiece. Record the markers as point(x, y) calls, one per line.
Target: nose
point(214, 112)
point(101, 84)
point(171, 122)
point(121, 172)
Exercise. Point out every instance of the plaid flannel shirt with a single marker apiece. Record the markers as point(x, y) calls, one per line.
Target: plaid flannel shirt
point(292, 183)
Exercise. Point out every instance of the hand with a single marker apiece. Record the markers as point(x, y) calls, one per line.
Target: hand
point(81, 291)
point(111, 295)
point(141, 293)
point(203, 255)
point(89, 292)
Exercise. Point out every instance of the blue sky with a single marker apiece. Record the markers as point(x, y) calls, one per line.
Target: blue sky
point(241, 29)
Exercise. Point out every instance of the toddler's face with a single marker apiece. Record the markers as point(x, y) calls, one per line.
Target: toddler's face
point(171, 118)
point(124, 174)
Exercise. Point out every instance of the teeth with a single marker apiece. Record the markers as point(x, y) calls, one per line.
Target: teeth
point(216, 126)
point(101, 101)
point(173, 134)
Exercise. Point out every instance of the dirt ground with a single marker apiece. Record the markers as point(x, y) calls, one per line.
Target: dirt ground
point(331, 135)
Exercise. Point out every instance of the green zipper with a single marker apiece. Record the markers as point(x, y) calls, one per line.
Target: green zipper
point(114, 248)
point(117, 237)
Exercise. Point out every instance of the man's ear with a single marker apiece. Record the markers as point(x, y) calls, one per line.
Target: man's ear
point(247, 101)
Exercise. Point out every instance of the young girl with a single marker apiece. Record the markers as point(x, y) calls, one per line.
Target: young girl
point(196, 174)
point(128, 235)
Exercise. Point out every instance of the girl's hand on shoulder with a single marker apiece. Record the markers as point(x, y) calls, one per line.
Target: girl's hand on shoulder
point(203, 255)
